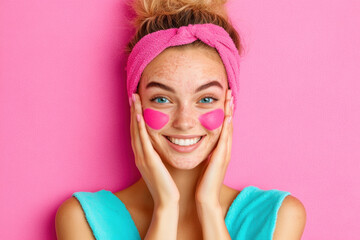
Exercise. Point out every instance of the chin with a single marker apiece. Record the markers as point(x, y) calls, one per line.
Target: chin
point(184, 162)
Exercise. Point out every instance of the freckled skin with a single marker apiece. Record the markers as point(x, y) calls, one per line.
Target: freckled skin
point(184, 69)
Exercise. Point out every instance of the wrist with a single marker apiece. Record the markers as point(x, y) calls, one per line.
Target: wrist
point(167, 207)
point(212, 222)
point(164, 222)
point(208, 204)
point(209, 210)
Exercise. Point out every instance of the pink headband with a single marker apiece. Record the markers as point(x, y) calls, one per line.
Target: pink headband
point(154, 43)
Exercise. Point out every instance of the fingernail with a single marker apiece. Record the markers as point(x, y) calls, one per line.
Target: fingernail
point(231, 101)
point(229, 119)
point(133, 97)
point(138, 117)
point(130, 101)
point(228, 93)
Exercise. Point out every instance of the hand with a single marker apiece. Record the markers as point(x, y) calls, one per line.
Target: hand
point(157, 178)
point(210, 183)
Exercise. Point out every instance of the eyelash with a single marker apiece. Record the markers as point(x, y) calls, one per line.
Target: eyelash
point(213, 98)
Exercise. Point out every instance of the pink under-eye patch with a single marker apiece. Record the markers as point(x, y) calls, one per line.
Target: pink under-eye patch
point(155, 119)
point(213, 119)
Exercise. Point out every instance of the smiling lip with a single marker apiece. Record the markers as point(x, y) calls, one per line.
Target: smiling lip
point(185, 149)
point(184, 136)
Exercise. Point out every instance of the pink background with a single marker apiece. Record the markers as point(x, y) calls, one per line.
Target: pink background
point(64, 121)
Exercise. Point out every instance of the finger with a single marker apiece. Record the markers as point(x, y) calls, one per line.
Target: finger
point(144, 136)
point(231, 125)
point(225, 129)
point(221, 150)
point(229, 143)
point(230, 129)
point(135, 136)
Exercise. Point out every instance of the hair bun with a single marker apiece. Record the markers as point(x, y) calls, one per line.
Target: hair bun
point(151, 8)
point(155, 15)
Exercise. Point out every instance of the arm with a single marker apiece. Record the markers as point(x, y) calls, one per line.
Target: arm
point(209, 185)
point(70, 222)
point(212, 222)
point(164, 223)
point(160, 183)
point(291, 220)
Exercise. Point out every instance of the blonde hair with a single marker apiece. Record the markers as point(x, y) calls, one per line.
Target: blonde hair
point(155, 15)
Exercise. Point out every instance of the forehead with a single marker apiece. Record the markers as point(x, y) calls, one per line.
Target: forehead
point(189, 66)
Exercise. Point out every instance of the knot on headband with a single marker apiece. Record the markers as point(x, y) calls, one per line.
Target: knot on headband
point(186, 31)
point(154, 43)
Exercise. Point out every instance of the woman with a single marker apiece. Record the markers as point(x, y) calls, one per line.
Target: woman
point(182, 86)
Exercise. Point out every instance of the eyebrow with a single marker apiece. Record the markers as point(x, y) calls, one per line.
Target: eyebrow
point(167, 88)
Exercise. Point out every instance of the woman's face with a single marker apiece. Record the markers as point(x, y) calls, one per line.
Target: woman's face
point(179, 103)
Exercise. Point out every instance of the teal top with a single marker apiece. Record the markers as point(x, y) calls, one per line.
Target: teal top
point(252, 214)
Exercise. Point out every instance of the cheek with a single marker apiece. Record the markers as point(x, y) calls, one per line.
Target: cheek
point(212, 120)
point(155, 119)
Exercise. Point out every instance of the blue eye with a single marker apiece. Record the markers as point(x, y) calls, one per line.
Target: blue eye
point(208, 100)
point(161, 99)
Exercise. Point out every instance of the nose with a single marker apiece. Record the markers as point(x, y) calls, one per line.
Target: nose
point(184, 118)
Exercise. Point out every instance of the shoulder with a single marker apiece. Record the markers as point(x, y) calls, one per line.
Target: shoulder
point(291, 219)
point(70, 221)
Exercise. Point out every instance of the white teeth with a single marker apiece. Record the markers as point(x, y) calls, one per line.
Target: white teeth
point(184, 142)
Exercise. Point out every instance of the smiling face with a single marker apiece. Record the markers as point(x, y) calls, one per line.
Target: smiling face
point(182, 92)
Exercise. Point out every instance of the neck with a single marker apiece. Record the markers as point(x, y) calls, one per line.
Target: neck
point(186, 182)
